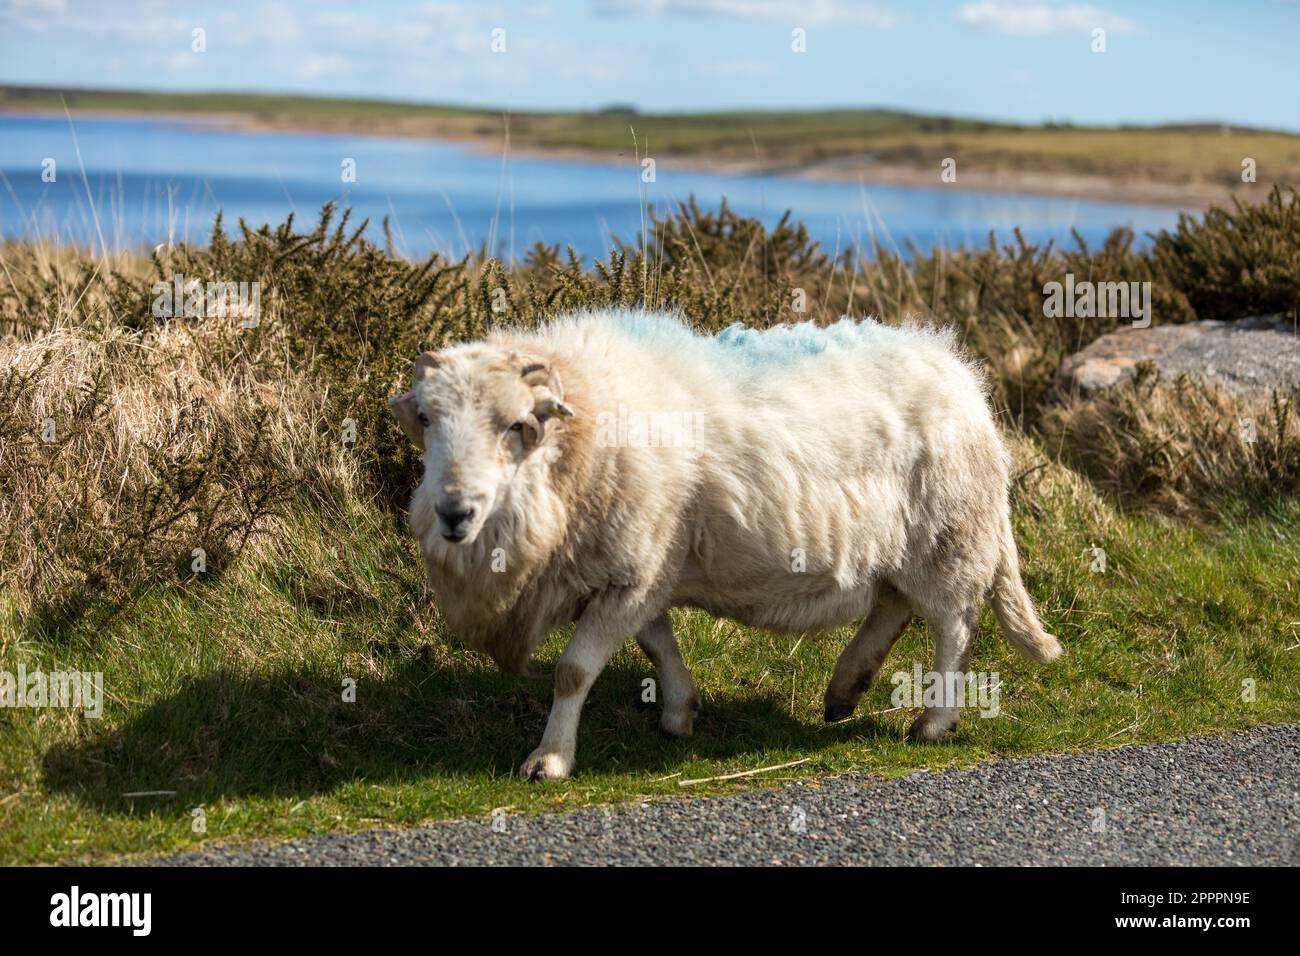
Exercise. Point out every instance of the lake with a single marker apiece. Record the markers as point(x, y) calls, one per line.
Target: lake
point(151, 179)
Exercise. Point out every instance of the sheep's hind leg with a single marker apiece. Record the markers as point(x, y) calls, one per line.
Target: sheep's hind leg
point(859, 662)
point(952, 643)
point(681, 699)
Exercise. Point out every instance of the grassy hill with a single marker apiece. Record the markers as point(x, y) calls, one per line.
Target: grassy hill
point(840, 142)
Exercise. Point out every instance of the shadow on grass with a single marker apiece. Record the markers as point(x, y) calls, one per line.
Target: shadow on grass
point(91, 605)
point(290, 734)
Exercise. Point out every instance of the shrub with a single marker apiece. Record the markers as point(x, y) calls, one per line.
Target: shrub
point(1237, 262)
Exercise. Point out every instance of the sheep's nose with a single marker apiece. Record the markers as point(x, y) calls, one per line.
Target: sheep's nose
point(453, 517)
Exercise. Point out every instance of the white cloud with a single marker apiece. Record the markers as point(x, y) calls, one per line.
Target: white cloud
point(793, 12)
point(149, 17)
point(314, 67)
point(1036, 18)
point(184, 61)
point(40, 6)
point(31, 12)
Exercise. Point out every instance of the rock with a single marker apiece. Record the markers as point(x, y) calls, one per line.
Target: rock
point(1249, 355)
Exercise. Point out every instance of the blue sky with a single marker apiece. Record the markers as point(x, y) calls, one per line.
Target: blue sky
point(1013, 59)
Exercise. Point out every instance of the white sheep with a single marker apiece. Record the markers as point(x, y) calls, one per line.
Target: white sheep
point(612, 465)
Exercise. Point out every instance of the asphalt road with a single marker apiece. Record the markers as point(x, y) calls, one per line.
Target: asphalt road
point(1205, 801)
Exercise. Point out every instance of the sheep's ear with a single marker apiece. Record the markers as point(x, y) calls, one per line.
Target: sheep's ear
point(426, 363)
point(547, 388)
point(405, 407)
point(406, 410)
point(551, 407)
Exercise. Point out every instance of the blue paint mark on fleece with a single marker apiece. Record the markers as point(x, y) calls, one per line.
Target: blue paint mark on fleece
point(747, 347)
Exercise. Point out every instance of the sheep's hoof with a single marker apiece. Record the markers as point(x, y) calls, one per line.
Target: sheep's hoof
point(678, 720)
point(838, 710)
point(930, 728)
point(546, 765)
point(679, 724)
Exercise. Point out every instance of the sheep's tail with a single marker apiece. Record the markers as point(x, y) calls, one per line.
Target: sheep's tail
point(1014, 608)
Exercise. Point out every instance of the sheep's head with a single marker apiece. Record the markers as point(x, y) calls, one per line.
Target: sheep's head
point(481, 414)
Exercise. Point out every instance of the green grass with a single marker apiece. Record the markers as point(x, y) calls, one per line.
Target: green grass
point(1206, 153)
point(229, 692)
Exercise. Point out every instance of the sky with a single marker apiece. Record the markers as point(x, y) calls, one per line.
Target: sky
point(1024, 60)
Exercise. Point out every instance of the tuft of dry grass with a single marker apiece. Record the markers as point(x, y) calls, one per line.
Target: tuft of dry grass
point(123, 451)
point(1043, 485)
point(1184, 447)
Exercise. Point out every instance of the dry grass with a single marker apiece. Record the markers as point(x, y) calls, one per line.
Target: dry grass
point(122, 451)
point(1186, 447)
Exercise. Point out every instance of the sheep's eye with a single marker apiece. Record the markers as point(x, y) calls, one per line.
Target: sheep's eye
point(517, 427)
point(424, 419)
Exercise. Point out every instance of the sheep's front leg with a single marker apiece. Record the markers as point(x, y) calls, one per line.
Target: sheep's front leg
point(581, 662)
point(681, 699)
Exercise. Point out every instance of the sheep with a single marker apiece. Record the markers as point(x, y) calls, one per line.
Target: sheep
point(799, 478)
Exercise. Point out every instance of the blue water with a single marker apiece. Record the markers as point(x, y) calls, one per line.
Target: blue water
point(150, 180)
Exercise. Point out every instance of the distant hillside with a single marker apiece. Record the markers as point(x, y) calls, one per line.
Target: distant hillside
point(1184, 163)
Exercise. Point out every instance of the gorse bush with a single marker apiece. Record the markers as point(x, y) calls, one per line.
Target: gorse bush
point(176, 433)
point(1239, 261)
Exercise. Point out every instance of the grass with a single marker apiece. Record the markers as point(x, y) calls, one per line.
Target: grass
point(1189, 154)
point(229, 695)
point(225, 688)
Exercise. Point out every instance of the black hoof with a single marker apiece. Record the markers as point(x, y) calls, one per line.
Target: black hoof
point(837, 712)
point(922, 732)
